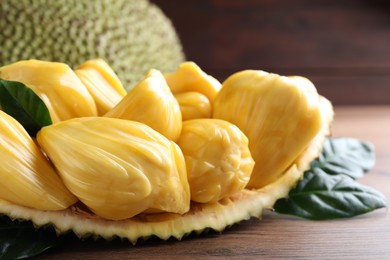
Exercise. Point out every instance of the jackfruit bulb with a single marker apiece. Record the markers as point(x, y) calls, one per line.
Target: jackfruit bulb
point(118, 168)
point(131, 35)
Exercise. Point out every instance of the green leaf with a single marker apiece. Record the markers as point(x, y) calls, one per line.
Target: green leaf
point(322, 196)
point(20, 102)
point(329, 190)
point(346, 156)
point(20, 240)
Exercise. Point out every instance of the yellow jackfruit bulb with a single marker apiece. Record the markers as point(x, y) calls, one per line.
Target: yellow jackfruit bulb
point(279, 115)
point(102, 83)
point(193, 105)
point(151, 102)
point(26, 176)
point(56, 84)
point(118, 168)
point(190, 77)
point(218, 160)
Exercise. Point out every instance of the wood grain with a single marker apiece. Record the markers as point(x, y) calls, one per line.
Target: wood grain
point(278, 236)
point(342, 46)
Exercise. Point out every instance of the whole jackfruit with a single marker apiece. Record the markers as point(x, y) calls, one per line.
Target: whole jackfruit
point(131, 35)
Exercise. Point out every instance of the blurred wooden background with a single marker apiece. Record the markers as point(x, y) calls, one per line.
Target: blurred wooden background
point(342, 46)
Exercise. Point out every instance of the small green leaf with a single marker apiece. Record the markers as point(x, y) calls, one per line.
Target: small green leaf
point(20, 102)
point(346, 156)
point(20, 240)
point(322, 196)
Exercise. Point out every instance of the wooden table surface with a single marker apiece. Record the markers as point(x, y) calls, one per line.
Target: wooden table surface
point(277, 236)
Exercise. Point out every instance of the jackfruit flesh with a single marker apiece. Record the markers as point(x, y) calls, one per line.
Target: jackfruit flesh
point(26, 177)
point(56, 84)
point(279, 115)
point(190, 77)
point(118, 168)
point(151, 102)
point(202, 216)
point(218, 160)
point(193, 105)
point(131, 35)
point(102, 83)
point(136, 183)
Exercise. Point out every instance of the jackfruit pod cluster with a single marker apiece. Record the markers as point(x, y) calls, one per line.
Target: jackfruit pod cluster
point(26, 177)
point(218, 160)
point(151, 102)
point(280, 116)
point(189, 77)
point(102, 83)
point(56, 84)
point(193, 105)
point(118, 168)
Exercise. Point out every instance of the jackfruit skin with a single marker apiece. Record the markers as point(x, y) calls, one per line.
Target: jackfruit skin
point(131, 35)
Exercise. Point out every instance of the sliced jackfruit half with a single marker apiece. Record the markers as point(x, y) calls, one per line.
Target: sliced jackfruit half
point(217, 216)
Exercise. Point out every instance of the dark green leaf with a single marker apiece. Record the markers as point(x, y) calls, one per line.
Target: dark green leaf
point(20, 240)
point(346, 156)
point(322, 196)
point(328, 190)
point(24, 105)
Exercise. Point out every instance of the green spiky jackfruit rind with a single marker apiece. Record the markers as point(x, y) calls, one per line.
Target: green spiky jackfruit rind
point(131, 35)
point(201, 217)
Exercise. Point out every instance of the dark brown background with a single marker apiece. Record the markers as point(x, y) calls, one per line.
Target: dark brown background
point(342, 46)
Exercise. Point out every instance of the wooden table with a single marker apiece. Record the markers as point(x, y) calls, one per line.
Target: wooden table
point(277, 236)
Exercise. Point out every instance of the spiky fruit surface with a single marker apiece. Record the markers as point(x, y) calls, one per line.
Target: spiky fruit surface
point(131, 35)
point(246, 204)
